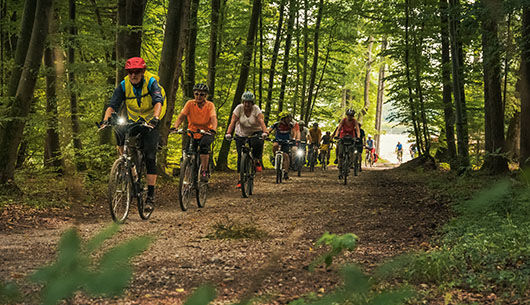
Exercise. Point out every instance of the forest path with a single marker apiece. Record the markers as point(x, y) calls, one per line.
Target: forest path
point(391, 215)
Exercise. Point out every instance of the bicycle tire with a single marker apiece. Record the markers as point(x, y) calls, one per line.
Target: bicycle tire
point(278, 165)
point(299, 167)
point(185, 184)
point(119, 191)
point(355, 165)
point(346, 168)
point(201, 193)
point(244, 175)
point(142, 193)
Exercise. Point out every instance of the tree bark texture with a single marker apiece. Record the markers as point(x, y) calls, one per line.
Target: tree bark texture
point(212, 52)
point(493, 108)
point(367, 79)
point(24, 37)
point(72, 88)
point(222, 161)
point(457, 60)
point(52, 146)
point(12, 131)
point(189, 74)
point(380, 97)
point(288, 39)
point(449, 115)
point(314, 67)
point(419, 92)
point(305, 64)
point(524, 159)
point(272, 71)
point(169, 61)
point(135, 16)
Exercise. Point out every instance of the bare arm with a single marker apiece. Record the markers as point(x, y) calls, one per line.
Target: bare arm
point(108, 113)
point(261, 120)
point(213, 119)
point(157, 109)
point(233, 123)
point(180, 118)
point(337, 130)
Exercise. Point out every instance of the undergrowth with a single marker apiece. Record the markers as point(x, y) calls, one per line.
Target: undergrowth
point(231, 229)
point(485, 248)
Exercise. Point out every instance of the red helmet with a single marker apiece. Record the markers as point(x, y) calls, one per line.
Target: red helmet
point(135, 63)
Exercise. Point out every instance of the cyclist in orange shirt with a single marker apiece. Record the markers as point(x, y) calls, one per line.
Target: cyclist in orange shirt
point(201, 115)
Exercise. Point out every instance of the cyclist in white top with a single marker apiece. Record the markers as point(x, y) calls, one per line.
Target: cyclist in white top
point(248, 120)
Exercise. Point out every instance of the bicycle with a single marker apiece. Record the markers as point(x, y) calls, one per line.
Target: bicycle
point(299, 158)
point(369, 158)
point(399, 155)
point(247, 166)
point(349, 157)
point(190, 171)
point(278, 159)
point(312, 156)
point(128, 172)
point(324, 156)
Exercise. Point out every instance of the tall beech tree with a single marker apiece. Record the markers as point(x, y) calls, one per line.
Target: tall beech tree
point(222, 161)
point(12, 131)
point(285, 70)
point(314, 66)
point(524, 158)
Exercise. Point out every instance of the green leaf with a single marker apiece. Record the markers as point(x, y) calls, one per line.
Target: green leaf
point(202, 296)
point(96, 241)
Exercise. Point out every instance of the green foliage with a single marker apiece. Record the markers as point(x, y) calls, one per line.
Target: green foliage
point(202, 296)
point(8, 293)
point(74, 269)
point(485, 248)
point(338, 243)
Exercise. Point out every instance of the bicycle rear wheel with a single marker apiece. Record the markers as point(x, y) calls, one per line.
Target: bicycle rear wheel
point(356, 164)
point(346, 168)
point(119, 191)
point(142, 193)
point(244, 175)
point(185, 184)
point(202, 190)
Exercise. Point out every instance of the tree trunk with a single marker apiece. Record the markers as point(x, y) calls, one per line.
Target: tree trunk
point(260, 86)
point(72, 88)
point(52, 146)
point(312, 79)
point(272, 70)
point(135, 16)
point(419, 92)
point(290, 24)
point(28, 17)
point(169, 61)
point(457, 59)
point(524, 159)
point(222, 161)
point(493, 109)
point(12, 130)
point(412, 106)
point(449, 116)
point(326, 60)
point(513, 139)
point(366, 95)
point(305, 62)
point(380, 98)
point(189, 74)
point(121, 39)
point(212, 52)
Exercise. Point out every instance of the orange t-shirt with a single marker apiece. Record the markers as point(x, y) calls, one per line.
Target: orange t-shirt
point(199, 118)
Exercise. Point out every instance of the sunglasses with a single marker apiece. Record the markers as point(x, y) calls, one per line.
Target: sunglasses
point(199, 94)
point(135, 71)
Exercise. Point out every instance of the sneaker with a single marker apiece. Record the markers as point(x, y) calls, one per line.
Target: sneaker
point(285, 176)
point(336, 161)
point(204, 176)
point(259, 168)
point(340, 176)
point(238, 185)
point(149, 205)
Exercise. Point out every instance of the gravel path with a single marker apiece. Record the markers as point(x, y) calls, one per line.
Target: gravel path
point(390, 216)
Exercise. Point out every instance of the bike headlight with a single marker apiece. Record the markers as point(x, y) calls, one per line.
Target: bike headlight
point(355, 151)
point(122, 121)
point(300, 152)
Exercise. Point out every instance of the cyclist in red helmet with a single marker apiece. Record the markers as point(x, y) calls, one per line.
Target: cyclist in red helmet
point(144, 100)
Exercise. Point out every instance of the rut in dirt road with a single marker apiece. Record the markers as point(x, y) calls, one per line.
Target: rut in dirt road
point(390, 216)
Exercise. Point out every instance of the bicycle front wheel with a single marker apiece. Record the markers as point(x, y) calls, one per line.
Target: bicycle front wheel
point(185, 184)
point(244, 175)
point(278, 164)
point(356, 164)
point(202, 189)
point(120, 191)
point(142, 193)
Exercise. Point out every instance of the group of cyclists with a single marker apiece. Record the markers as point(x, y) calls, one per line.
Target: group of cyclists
point(145, 100)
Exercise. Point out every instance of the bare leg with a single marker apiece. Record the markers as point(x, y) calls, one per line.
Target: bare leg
point(204, 161)
point(151, 179)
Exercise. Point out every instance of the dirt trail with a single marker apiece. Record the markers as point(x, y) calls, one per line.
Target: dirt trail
point(390, 216)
